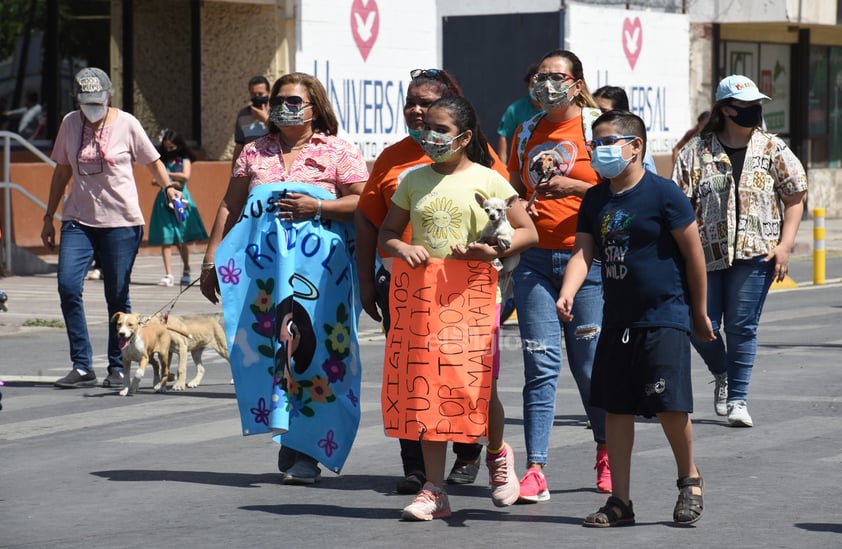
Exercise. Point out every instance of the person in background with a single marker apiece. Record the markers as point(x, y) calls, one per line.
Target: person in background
point(611, 98)
point(301, 146)
point(515, 114)
point(252, 119)
point(30, 116)
point(166, 228)
point(96, 147)
point(550, 167)
point(395, 162)
point(701, 121)
point(654, 298)
point(461, 168)
point(748, 190)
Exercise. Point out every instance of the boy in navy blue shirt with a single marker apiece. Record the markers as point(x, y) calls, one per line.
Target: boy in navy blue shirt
point(643, 230)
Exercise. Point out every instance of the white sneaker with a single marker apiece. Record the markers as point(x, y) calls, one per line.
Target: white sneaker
point(720, 394)
point(430, 503)
point(738, 414)
point(505, 487)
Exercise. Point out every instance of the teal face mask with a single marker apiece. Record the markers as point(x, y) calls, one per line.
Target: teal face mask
point(415, 135)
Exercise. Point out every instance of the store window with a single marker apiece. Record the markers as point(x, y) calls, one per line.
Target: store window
point(42, 45)
point(824, 114)
point(770, 67)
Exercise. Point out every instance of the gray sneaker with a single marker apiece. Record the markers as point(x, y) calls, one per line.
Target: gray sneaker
point(305, 470)
point(738, 414)
point(75, 380)
point(114, 380)
point(720, 394)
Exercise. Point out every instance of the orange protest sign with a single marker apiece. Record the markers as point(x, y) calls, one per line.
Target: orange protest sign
point(437, 369)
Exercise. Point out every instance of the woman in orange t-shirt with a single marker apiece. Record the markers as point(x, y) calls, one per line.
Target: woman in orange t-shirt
point(549, 165)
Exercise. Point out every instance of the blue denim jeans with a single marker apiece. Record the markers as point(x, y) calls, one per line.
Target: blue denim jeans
point(537, 281)
point(735, 300)
point(116, 249)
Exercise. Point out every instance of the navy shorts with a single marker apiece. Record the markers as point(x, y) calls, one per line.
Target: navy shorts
point(642, 371)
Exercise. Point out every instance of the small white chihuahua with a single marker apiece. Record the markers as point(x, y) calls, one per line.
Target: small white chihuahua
point(498, 231)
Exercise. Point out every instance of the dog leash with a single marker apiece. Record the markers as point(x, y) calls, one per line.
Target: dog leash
point(171, 303)
point(534, 197)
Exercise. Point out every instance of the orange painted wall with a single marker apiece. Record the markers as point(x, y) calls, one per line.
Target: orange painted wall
point(208, 183)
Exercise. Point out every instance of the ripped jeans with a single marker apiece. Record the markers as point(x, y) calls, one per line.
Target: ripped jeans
point(537, 281)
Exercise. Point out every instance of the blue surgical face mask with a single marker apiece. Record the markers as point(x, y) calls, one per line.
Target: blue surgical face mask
point(437, 145)
point(608, 160)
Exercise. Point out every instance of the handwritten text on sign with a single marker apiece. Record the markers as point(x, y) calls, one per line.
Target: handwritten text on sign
point(437, 369)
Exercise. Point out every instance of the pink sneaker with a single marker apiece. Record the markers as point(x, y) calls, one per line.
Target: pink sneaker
point(603, 472)
point(533, 487)
point(505, 488)
point(430, 503)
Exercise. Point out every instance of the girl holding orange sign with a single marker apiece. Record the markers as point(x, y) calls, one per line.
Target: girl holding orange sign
point(439, 201)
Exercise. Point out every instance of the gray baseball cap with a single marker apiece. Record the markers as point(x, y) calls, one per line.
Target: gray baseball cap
point(91, 85)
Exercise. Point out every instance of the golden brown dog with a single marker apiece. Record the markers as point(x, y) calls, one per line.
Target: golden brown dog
point(193, 334)
point(139, 340)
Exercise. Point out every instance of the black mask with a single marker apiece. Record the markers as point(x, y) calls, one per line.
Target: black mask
point(747, 117)
point(259, 100)
point(167, 156)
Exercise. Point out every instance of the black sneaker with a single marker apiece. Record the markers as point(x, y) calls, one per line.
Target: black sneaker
point(75, 380)
point(411, 483)
point(114, 379)
point(464, 473)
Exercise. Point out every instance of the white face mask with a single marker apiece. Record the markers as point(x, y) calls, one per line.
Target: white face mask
point(94, 113)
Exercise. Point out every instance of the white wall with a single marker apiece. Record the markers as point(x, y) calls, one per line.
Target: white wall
point(362, 51)
point(631, 49)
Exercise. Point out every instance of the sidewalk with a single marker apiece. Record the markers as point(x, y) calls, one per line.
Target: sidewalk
point(36, 298)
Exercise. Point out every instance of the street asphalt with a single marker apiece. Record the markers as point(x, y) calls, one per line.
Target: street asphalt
point(88, 468)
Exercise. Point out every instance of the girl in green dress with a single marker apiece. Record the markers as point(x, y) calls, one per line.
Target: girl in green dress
point(167, 227)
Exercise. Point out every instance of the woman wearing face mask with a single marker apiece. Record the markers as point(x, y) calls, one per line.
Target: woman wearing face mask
point(748, 189)
point(96, 146)
point(300, 148)
point(549, 165)
point(395, 162)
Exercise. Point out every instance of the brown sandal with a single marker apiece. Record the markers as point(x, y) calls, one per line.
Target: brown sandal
point(689, 507)
point(613, 513)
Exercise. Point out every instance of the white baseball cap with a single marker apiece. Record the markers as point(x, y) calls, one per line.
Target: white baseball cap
point(739, 87)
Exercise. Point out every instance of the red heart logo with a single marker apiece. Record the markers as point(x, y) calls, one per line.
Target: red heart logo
point(632, 39)
point(365, 23)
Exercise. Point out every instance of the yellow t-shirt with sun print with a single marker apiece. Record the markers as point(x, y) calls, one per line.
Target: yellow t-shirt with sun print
point(442, 208)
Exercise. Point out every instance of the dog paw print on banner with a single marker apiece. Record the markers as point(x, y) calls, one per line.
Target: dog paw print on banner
point(365, 25)
point(632, 39)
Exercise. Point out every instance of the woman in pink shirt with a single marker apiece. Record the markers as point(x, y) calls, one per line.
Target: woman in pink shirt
point(97, 146)
point(302, 147)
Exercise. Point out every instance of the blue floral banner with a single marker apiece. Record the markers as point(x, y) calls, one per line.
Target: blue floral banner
point(291, 308)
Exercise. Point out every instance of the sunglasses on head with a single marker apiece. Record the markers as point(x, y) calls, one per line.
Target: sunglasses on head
point(554, 76)
point(293, 101)
point(608, 140)
point(431, 73)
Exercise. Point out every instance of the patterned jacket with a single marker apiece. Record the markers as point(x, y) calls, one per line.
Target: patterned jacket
point(745, 220)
